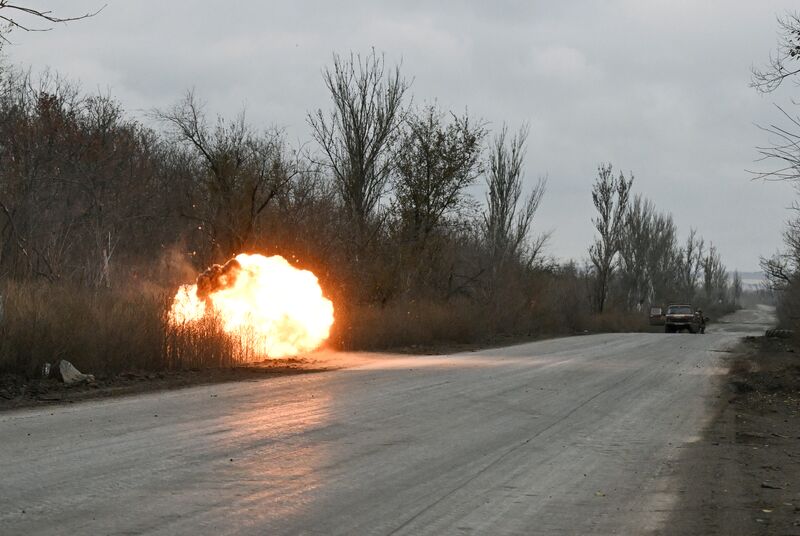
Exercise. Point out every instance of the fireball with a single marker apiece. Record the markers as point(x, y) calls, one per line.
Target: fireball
point(275, 309)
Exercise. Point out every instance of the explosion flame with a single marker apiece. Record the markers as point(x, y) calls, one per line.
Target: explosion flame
point(275, 309)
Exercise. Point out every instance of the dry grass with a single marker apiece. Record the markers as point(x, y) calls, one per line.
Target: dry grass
point(109, 331)
point(428, 322)
point(100, 331)
point(619, 322)
point(405, 323)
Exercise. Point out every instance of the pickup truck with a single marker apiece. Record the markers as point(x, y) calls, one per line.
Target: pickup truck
point(680, 317)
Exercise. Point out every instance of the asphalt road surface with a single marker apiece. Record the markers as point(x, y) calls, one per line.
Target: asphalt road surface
point(567, 436)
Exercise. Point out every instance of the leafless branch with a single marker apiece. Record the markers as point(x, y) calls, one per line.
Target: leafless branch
point(12, 10)
point(781, 64)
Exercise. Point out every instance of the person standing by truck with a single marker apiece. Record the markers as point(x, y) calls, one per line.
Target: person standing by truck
point(701, 320)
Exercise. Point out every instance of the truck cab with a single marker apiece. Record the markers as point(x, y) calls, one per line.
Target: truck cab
point(681, 317)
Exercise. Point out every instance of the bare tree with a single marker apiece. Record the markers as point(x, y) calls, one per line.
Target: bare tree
point(242, 172)
point(690, 264)
point(781, 268)
point(785, 151)
point(436, 161)
point(78, 179)
point(648, 257)
point(634, 252)
point(777, 272)
point(663, 258)
point(715, 277)
point(781, 271)
point(508, 217)
point(11, 13)
point(358, 134)
point(784, 63)
point(610, 196)
point(736, 288)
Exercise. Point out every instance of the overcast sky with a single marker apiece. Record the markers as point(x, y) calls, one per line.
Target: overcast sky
point(656, 87)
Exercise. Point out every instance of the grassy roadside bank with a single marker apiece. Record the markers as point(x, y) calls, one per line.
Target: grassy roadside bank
point(111, 331)
point(743, 475)
point(123, 338)
point(17, 392)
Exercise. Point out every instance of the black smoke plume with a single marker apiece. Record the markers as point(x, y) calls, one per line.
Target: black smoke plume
point(216, 277)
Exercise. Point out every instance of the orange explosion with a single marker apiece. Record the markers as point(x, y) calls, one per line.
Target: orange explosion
point(275, 309)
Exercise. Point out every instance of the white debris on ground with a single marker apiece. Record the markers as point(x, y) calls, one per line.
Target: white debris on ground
point(67, 373)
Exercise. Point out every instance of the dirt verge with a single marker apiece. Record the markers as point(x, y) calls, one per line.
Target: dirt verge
point(743, 476)
point(18, 392)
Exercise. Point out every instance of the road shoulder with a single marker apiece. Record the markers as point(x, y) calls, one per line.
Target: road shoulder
point(17, 392)
point(743, 475)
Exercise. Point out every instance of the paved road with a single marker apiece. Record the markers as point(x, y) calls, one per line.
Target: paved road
point(568, 436)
